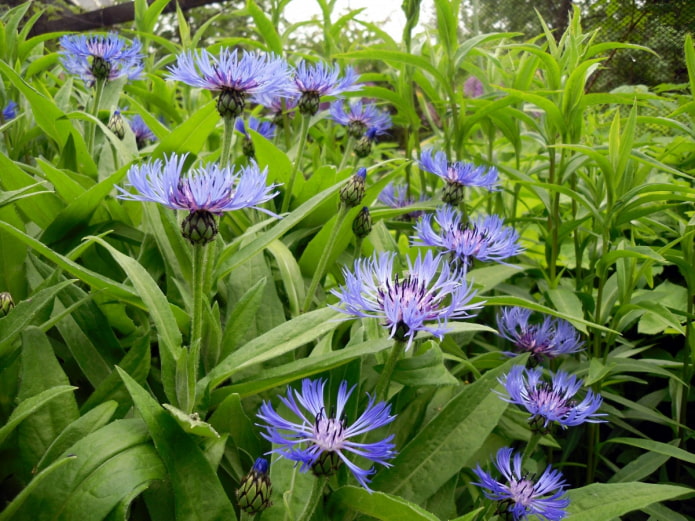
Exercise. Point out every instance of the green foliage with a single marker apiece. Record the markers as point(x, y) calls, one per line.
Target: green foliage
point(133, 364)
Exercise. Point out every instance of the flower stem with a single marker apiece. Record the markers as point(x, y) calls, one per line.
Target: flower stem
point(323, 261)
point(348, 152)
point(92, 127)
point(382, 385)
point(196, 338)
point(531, 446)
point(226, 155)
point(314, 498)
point(300, 152)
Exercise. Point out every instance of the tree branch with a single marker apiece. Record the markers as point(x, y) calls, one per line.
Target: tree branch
point(106, 17)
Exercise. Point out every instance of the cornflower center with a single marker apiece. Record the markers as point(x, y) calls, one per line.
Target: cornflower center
point(329, 432)
point(549, 402)
point(405, 295)
point(522, 491)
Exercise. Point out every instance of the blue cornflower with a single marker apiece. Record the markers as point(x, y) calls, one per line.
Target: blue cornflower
point(205, 191)
point(551, 402)
point(99, 57)
point(264, 128)
point(360, 118)
point(431, 292)
point(485, 238)
point(142, 132)
point(551, 338)
point(254, 73)
point(322, 435)
point(523, 495)
point(312, 82)
point(10, 111)
point(457, 175)
point(396, 196)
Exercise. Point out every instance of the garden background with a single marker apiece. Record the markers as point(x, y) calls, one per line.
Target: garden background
point(487, 233)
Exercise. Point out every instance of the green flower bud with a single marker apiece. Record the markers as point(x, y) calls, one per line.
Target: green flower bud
point(453, 193)
point(253, 494)
point(101, 68)
point(328, 464)
point(309, 103)
point(116, 124)
point(362, 224)
point(363, 147)
point(352, 192)
point(356, 129)
point(230, 103)
point(199, 227)
point(6, 303)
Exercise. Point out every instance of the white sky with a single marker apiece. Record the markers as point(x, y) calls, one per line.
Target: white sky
point(387, 13)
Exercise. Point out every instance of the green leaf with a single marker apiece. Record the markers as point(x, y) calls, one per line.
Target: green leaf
point(265, 28)
point(279, 340)
point(425, 367)
point(378, 505)
point(657, 447)
point(607, 501)
point(198, 494)
point(15, 195)
point(23, 314)
point(449, 441)
point(30, 406)
point(191, 135)
point(191, 423)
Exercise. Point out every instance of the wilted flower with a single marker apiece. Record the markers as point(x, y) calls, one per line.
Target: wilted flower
point(431, 292)
point(551, 402)
point(551, 338)
point(360, 118)
point(205, 191)
point(457, 175)
point(142, 132)
point(321, 436)
point(10, 111)
point(352, 192)
point(521, 495)
point(312, 82)
point(396, 196)
point(255, 73)
point(485, 238)
point(255, 489)
point(99, 57)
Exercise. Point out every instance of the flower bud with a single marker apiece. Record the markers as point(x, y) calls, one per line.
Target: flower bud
point(255, 489)
point(116, 124)
point(363, 147)
point(453, 193)
point(6, 303)
point(199, 227)
point(230, 103)
point(362, 224)
point(309, 103)
point(352, 192)
point(327, 464)
point(101, 68)
point(356, 128)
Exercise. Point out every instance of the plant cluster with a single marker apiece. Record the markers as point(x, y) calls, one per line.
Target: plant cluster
point(424, 280)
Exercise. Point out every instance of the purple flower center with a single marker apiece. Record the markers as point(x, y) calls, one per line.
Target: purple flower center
point(548, 401)
point(328, 432)
point(522, 491)
point(406, 295)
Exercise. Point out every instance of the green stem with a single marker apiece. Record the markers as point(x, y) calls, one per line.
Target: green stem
point(382, 385)
point(553, 222)
point(196, 338)
point(91, 127)
point(300, 152)
point(531, 446)
point(226, 155)
point(348, 152)
point(323, 261)
point(358, 248)
point(314, 498)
